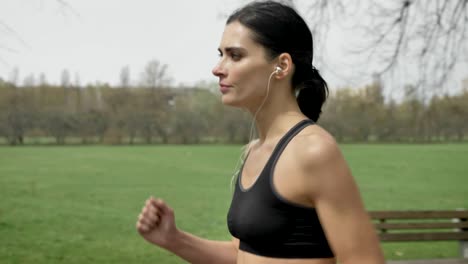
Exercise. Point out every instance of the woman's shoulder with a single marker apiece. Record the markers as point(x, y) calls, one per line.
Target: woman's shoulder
point(314, 146)
point(318, 159)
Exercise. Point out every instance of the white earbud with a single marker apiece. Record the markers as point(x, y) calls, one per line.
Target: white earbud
point(278, 69)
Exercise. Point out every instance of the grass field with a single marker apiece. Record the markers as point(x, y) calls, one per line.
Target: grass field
point(79, 204)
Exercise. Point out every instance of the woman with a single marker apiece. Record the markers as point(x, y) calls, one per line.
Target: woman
point(295, 200)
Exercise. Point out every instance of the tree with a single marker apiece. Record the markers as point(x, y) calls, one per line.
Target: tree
point(14, 76)
point(77, 81)
point(65, 78)
point(42, 79)
point(154, 75)
point(18, 113)
point(236, 125)
point(155, 101)
point(116, 105)
point(192, 115)
point(431, 34)
point(63, 6)
point(125, 77)
point(29, 81)
point(92, 123)
point(58, 124)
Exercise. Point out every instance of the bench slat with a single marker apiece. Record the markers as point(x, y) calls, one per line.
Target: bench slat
point(437, 236)
point(419, 225)
point(418, 214)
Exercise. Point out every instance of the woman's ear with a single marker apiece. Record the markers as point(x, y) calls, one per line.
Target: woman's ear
point(284, 66)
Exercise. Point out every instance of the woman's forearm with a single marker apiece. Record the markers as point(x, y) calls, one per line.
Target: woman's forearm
point(198, 250)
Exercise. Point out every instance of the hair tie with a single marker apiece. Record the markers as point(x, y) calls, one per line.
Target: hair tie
point(314, 70)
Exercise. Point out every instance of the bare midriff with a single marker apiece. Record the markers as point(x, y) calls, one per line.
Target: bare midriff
point(248, 258)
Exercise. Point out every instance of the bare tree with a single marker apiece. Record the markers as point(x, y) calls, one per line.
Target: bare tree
point(29, 81)
point(154, 74)
point(6, 30)
point(42, 79)
point(77, 80)
point(125, 76)
point(65, 78)
point(430, 34)
point(9, 32)
point(14, 76)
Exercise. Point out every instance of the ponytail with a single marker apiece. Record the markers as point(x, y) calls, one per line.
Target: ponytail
point(313, 91)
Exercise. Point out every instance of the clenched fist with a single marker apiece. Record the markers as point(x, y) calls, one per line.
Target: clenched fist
point(156, 223)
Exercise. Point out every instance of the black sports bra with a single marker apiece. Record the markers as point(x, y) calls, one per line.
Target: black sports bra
point(268, 225)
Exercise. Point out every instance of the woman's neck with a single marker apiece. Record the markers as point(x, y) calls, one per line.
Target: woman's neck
point(275, 119)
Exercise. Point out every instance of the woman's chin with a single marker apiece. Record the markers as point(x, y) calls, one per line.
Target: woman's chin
point(228, 100)
point(233, 101)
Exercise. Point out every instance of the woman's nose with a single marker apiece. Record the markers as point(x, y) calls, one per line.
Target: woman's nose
point(218, 70)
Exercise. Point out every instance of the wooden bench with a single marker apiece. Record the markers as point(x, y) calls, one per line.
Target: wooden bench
point(403, 226)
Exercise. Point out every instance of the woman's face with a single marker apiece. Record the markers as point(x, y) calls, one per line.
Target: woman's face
point(243, 70)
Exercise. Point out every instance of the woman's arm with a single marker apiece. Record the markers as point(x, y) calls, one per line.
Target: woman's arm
point(341, 211)
point(156, 224)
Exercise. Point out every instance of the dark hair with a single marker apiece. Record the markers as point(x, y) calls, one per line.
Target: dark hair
point(280, 29)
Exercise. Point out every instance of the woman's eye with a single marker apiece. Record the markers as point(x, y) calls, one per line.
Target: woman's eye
point(236, 56)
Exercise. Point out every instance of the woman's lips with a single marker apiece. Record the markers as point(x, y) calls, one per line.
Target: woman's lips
point(223, 88)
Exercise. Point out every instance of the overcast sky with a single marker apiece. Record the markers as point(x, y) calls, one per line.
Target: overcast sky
point(94, 39)
point(97, 38)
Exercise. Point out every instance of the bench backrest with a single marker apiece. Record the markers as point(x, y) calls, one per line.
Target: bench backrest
point(421, 225)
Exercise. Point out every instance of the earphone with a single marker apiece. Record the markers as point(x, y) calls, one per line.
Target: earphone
point(278, 70)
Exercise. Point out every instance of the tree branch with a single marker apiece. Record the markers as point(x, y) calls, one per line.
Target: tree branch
point(431, 34)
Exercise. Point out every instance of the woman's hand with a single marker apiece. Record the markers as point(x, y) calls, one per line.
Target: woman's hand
point(156, 223)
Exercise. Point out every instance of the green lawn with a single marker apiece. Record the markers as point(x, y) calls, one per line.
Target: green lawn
point(80, 204)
